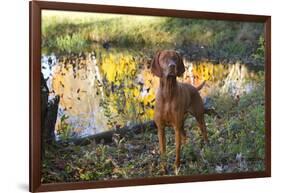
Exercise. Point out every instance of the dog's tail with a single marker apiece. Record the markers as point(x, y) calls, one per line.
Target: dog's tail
point(201, 85)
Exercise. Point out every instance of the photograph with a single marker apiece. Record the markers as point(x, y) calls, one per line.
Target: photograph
point(127, 96)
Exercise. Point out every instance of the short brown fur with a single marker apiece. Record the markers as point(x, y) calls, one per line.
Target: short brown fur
point(175, 100)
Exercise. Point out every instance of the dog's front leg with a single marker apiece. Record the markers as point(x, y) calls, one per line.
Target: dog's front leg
point(178, 146)
point(162, 146)
point(162, 139)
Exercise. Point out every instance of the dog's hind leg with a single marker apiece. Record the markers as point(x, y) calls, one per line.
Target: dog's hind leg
point(202, 126)
point(183, 136)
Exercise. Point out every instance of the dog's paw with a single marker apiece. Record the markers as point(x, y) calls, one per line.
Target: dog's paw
point(163, 168)
point(177, 170)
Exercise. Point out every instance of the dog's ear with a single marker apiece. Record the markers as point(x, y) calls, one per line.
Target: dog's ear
point(180, 65)
point(155, 66)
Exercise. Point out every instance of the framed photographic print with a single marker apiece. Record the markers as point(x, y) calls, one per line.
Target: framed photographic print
point(123, 96)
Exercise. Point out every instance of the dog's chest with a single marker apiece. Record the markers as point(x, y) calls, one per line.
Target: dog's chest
point(169, 112)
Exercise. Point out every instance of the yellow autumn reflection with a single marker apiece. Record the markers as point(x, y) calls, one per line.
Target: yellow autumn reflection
point(105, 93)
point(116, 67)
point(117, 90)
point(127, 99)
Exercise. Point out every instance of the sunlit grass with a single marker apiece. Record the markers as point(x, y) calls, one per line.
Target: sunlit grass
point(70, 31)
point(65, 32)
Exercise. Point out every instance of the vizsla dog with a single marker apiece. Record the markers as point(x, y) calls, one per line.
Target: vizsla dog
point(175, 100)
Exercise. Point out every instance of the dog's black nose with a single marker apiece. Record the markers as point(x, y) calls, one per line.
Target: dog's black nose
point(172, 65)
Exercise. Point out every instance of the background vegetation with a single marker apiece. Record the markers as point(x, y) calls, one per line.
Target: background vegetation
point(215, 40)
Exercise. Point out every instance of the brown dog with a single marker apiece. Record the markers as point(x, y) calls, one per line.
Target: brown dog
point(175, 100)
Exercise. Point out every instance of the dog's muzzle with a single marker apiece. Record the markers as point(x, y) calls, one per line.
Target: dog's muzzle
point(171, 69)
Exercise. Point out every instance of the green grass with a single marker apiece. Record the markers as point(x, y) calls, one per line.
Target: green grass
point(73, 32)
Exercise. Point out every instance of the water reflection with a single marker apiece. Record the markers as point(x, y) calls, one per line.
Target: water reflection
point(74, 79)
point(110, 90)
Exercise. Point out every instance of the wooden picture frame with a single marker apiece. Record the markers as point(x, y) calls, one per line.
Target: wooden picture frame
point(36, 8)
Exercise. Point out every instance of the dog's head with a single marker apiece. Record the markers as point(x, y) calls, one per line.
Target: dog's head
point(167, 63)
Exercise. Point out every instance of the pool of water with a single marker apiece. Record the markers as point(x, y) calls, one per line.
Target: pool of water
point(100, 91)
